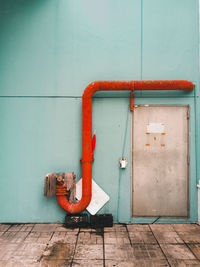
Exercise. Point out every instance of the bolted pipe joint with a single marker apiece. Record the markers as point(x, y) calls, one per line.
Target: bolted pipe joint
point(61, 190)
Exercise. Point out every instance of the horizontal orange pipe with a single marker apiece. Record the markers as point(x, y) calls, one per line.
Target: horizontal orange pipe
point(87, 129)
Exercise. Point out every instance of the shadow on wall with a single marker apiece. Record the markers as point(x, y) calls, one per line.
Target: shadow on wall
point(13, 6)
point(13, 14)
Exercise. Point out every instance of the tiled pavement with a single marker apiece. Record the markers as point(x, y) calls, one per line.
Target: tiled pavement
point(120, 246)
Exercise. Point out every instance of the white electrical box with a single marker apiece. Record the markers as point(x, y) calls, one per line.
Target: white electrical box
point(123, 163)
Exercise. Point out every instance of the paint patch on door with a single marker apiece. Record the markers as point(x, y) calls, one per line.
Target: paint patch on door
point(154, 127)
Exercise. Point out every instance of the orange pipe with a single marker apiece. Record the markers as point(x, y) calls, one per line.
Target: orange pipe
point(87, 158)
point(131, 101)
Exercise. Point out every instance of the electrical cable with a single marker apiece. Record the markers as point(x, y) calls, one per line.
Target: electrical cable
point(120, 172)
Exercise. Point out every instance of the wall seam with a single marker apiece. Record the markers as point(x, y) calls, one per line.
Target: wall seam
point(141, 54)
point(104, 97)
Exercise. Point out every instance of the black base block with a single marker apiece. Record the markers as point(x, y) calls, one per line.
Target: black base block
point(76, 220)
point(101, 220)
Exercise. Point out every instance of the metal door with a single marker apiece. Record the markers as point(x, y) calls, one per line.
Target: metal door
point(160, 164)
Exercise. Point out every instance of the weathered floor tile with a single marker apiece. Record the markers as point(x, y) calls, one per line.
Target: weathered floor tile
point(65, 237)
point(19, 263)
point(61, 228)
point(136, 263)
point(138, 227)
point(190, 237)
point(116, 227)
point(147, 252)
point(187, 227)
point(11, 234)
point(88, 263)
point(44, 227)
point(86, 229)
point(118, 238)
point(92, 230)
point(89, 252)
point(24, 263)
point(27, 251)
point(53, 245)
point(4, 227)
point(37, 237)
point(8, 246)
point(161, 227)
point(7, 251)
point(195, 249)
point(45, 262)
point(118, 263)
point(184, 263)
point(152, 263)
point(40, 234)
point(57, 251)
point(27, 227)
point(13, 237)
point(121, 253)
point(15, 227)
point(90, 238)
point(177, 252)
point(4, 263)
point(142, 237)
point(168, 237)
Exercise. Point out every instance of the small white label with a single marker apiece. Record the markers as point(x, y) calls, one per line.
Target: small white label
point(123, 164)
point(154, 127)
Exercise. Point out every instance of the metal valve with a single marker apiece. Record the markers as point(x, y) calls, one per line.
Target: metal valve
point(59, 178)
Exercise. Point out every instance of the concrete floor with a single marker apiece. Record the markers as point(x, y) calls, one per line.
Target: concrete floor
point(122, 245)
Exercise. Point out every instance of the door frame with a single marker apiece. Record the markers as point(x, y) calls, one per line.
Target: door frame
point(188, 159)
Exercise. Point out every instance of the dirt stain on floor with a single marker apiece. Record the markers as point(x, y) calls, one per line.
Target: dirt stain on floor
point(57, 255)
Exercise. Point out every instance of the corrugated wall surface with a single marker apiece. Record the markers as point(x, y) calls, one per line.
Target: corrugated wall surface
point(49, 51)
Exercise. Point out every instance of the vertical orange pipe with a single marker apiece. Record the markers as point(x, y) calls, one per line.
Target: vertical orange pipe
point(87, 130)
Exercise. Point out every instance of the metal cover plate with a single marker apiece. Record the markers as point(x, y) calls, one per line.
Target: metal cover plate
point(160, 161)
point(99, 197)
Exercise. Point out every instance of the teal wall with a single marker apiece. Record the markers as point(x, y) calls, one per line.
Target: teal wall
point(49, 51)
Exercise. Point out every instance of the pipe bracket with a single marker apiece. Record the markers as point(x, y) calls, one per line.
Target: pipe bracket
point(86, 161)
